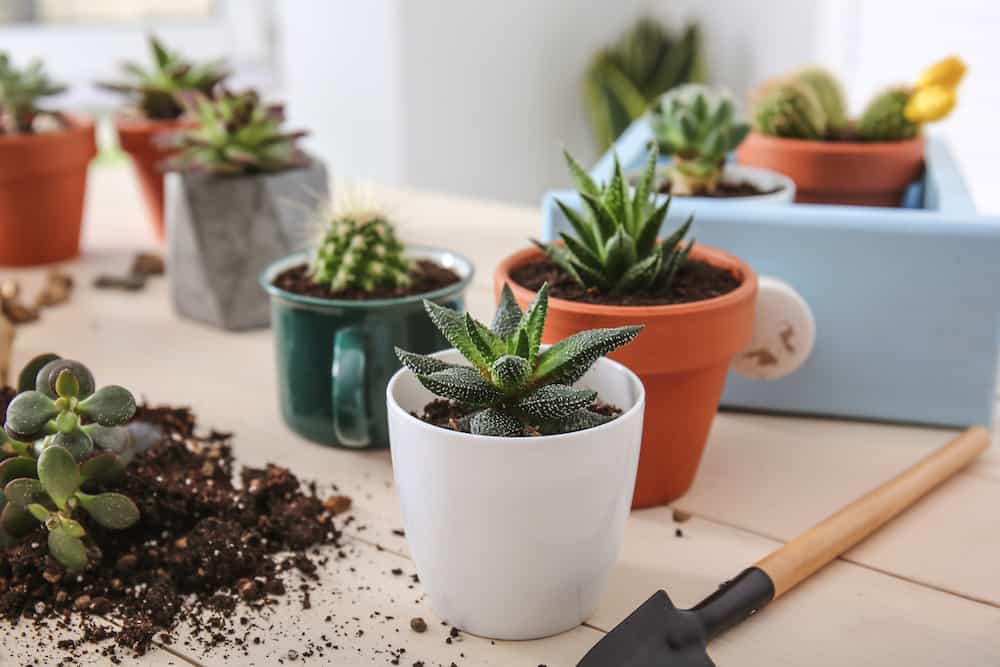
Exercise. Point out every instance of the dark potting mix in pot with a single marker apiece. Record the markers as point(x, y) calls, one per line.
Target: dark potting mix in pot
point(346, 305)
point(697, 305)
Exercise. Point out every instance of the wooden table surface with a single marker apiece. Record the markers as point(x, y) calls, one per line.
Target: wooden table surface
point(923, 592)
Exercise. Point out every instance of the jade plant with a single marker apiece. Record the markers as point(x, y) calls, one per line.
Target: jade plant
point(358, 250)
point(20, 90)
point(237, 133)
point(697, 126)
point(809, 105)
point(64, 437)
point(513, 387)
point(154, 90)
point(624, 79)
point(615, 248)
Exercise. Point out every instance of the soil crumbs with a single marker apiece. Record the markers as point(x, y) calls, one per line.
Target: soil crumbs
point(447, 414)
point(725, 190)
point(695, 281)
point(425, 276)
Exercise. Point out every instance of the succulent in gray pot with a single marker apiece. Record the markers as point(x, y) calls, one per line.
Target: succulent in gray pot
point(239, 197)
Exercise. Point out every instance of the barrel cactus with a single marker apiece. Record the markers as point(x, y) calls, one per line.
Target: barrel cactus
point(514, 388)
point(791, 110)
point(883, 119)
point(829, 93)
point(696, 125)
point(53, 426)
point(359, 250)
point(20, 90)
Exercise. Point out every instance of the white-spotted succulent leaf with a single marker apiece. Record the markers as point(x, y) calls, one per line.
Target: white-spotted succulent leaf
point(513, 388)
point(44, 482)
point(359, 250)
point(614, 246)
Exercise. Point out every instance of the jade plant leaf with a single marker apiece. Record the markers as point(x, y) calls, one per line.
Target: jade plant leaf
point(28, 414)
point(38, 511)
point(105, 467)
point(16, 520)
point(23, 491)
point(111, 510)
point(109, 406)
point(58, 474)
point(555, 401)
point(29, 374)
point(49, 374)
point(567, 361)
point(110, 438)
point(19, 466)
point(76, 442)
point(67, 386)
point(68, 549)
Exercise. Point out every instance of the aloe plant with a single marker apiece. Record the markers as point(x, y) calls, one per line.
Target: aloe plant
point(615, 248)
point(359, 250)
point(20, 90)
point(513, 387)
point(154, 90)
point(236, 133)
point(52, 468)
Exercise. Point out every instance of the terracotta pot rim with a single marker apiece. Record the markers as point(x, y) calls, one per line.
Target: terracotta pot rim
point(839, 147)
point(78, 125)
point(709, 254)
point(141, 124)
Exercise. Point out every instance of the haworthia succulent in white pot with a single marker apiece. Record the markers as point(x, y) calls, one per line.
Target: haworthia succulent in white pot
point(240, 198)
point(515, 508)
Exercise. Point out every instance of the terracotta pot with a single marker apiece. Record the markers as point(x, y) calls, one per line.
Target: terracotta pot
point(839, 172)
point(137, 138)
point(43, 178)
point(682, 357)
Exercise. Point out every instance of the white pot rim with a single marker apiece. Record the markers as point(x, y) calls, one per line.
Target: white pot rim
point(733, 172)
point(637, 407)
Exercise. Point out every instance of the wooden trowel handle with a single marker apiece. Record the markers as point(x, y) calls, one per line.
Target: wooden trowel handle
point(807, 553)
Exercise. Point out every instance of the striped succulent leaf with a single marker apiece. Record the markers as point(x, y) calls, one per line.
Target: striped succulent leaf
point(554, 402)
point(421, 364)
point(508, 315)
point(496, 423)
point(578, 421)
point(567, 361)
point(462, 384)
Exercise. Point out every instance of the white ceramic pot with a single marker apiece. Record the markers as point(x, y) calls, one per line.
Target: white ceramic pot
point(514, 538)
point(764, 179)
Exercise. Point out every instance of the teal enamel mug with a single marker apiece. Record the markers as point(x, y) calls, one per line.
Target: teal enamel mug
point(334, 358)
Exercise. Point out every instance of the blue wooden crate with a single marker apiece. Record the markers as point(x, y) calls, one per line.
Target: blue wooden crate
point(907, 300)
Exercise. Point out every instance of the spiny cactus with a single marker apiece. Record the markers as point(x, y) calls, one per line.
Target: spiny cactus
point(791, 110)
point(829, 93)
point(623, 80)
point(236, 133)
point(359, 250)
point(615, 249)
point(883, 119)
point(51, 464)
point(154, 90)
point(696, 125)
point(20, 90)
point(513, 387)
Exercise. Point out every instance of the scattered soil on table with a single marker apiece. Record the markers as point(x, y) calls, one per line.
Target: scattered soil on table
point(202, 545)
point(726, 190)
point(446, 414)
point(425, 276)
point(695, 281)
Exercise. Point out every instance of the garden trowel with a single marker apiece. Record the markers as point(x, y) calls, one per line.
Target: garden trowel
point(657, 634)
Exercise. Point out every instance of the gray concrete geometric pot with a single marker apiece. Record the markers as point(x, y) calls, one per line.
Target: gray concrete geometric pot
point(223, 231)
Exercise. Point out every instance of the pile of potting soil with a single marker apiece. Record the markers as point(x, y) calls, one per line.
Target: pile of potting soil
point(202, 545)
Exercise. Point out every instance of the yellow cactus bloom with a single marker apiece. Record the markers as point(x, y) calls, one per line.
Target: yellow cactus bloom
point(930, 103)
point(947, 73)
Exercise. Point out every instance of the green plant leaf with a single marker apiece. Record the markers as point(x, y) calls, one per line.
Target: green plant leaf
point(615, 197)
point(509, 373)
point(649, 229)
point(582, 253)
point(67, 549)
point(421, 364)
point(29, 374)
point(555, 401)
point(578, 421)
point(562, 258)
point(67, 386)
point(533, 322)
point(16, 520)
point(671, 241)
point(18, 466)
point(117, 439)
point(642, 191)
point(495, 423)
point(28, 414)
point(58, 474)
point(567, 361)
point(23, 491)
point(481, 343)
point(48, 375)
point(109, 406)
point(583, 228)
point(583, 181)
point(603, 219)
point(641, 276)
point(508, 314)
point(111, 510)
point(102, 468)
point(451, 324)
point(38, 511)
point(77, 442)
point(462, 384)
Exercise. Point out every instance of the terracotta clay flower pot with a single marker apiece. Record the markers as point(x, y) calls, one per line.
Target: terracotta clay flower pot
point(137, 138)
point(43, 178)
point(682, 357)
point(839, 172)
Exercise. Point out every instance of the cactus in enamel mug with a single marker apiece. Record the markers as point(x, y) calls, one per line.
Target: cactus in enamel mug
point(154, 90)
point(20, 90)
point(514, 388)
point(696, 124)
point(615, 248)
point(359, 250)
point(53, 426)
point(791, 110)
